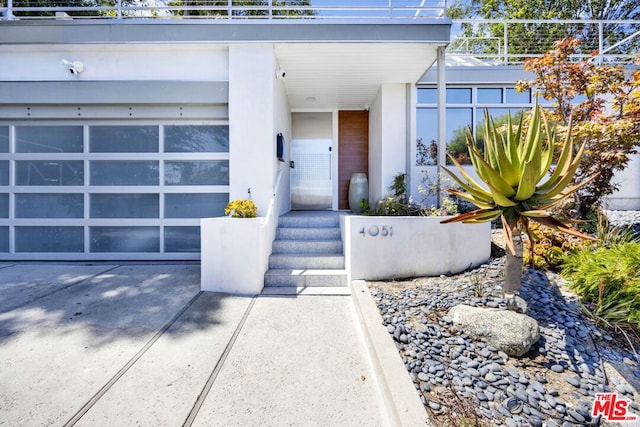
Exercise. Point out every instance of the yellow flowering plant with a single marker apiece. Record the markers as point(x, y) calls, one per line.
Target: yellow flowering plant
point(241, 209)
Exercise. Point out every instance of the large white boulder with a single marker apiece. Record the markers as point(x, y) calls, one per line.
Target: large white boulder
point(514, 333)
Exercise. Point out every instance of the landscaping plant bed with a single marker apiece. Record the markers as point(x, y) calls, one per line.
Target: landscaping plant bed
point(466, 382)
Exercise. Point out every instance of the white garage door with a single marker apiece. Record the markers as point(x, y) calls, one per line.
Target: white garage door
point(109, 190)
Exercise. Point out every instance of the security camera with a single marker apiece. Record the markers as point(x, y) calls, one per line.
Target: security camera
point(75, 67)
point(280, 73)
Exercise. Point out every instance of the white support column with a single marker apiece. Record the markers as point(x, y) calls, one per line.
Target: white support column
point(442, 113)
point(252, 151)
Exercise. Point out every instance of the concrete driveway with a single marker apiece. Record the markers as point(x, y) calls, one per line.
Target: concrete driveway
point(106, 345)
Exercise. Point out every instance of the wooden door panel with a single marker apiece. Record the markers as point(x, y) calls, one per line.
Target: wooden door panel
point(353, 154)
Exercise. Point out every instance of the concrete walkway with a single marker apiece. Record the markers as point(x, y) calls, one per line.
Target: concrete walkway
point(107, 345)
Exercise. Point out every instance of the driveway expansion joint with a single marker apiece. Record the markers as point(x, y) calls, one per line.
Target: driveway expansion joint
point(96, 397)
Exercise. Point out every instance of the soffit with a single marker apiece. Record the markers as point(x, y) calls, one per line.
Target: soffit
point(348, 76)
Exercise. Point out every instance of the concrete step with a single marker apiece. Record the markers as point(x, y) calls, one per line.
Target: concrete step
point(309, 219)
point(307, 247)
point(309, 290)
point(317, 233)
point(305, 278)
point(302, 261)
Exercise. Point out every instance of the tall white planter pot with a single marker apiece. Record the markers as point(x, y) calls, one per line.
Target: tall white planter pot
point(358, 190)
point(234, 255)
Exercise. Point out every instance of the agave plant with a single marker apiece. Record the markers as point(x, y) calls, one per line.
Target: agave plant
point(516, 184)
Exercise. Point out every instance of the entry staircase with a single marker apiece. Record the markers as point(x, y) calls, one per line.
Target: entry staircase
point(307, 252)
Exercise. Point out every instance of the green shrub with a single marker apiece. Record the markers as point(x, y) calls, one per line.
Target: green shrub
point(400, 204)
point(608, 281)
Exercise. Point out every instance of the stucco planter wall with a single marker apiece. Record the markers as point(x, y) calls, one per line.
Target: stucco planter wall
point(388, 247)
point(234, 255)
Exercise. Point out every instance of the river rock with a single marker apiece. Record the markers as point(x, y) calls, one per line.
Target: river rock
point(508, 331)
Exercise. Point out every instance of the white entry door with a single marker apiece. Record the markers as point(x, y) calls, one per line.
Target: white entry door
point(312, 175)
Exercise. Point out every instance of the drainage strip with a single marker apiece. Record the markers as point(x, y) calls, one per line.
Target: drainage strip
point(96, 397)
point(216, 370)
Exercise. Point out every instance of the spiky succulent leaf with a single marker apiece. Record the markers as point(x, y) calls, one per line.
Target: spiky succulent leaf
point(479, 215)
point(528, 181)
point(490, 176)
point(470, 198)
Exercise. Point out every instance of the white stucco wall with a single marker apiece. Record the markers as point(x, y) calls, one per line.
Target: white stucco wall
point(115, 62)
point(252, 131)
point(396, 247)
point(312, 125)
point(387, 139)
point(628, 196)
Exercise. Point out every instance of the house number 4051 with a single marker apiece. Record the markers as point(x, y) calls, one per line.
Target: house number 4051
point(374, 231)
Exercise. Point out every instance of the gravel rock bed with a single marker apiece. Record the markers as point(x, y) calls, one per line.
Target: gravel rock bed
point(464, 381)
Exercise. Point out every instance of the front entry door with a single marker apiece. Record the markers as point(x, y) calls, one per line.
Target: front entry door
point(311, 176)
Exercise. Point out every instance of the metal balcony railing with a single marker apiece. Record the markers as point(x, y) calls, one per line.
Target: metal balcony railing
point(223, 9)
point(510, 42)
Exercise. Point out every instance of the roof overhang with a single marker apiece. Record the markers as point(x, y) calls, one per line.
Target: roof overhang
point(328, 64)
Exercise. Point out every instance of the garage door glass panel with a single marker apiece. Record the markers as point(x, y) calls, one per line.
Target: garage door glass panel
point(107, 172)
point(44, 172)
point(49, 205)
point(182, 239)
point(4, 139)
point(123, 139)
point(49, 239)
point(206, 172)
point(196, 139)
point(125, 206)
point(125, 239)
point(4, 206)
point(195, 205)
point(4, 239)
point(4, 172)
point(49, 139)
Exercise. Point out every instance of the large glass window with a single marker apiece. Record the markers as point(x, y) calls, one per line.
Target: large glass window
point(427, 137)
point(49, 139)
point(427, 96)
point(458, 121)
point(459, 95)
point(465, 110)
point(489, 95)
point(514, 97)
